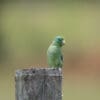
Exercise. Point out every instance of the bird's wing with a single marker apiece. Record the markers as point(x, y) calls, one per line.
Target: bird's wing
point(62, 58)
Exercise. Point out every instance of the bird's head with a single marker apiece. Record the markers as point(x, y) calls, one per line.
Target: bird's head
point(59, 41)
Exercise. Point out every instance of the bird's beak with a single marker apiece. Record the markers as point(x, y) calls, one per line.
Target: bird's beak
point(63, 42)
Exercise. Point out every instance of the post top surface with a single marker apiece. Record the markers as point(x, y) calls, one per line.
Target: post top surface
point(39, 71)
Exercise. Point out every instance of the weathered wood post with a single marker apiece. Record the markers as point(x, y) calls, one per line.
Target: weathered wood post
point(38, 84)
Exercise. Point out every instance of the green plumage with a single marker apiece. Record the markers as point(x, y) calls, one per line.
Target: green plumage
point(54, 54)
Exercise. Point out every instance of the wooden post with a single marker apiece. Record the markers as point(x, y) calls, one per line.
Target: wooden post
point(38, 84)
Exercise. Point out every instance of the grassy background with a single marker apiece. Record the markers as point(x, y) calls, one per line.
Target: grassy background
point(27, 29)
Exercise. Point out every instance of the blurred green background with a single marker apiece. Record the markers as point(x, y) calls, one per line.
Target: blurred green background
point(27, 29)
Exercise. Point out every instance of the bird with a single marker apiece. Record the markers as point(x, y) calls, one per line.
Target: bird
point(54, 53)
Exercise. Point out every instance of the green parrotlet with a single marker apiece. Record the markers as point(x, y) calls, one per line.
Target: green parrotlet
point(54, 53)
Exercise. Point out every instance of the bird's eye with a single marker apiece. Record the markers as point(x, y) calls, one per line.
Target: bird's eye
point(60, 39)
